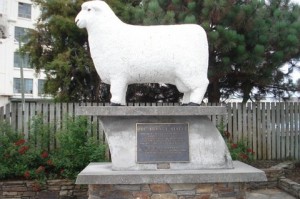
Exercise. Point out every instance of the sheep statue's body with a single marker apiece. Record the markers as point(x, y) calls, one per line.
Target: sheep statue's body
point(125, 54)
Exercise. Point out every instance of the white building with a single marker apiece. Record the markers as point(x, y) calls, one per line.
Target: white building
point(17, 16)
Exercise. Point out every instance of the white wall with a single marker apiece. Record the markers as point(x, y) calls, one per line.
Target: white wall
point(9, 9)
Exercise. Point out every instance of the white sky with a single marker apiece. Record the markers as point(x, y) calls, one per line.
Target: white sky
point(296, 1)
point(296, 73)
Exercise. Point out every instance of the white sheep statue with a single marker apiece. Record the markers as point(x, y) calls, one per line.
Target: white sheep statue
point(125, 54)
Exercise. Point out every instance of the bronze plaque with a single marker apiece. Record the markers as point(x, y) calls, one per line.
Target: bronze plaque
point(162, 142)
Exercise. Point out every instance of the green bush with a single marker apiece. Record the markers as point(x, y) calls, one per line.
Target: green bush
point(17, 155)
point(238, 151)
point(31, 158)
point(76, 148)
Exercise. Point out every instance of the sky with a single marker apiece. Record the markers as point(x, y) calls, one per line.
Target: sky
point(296, 1)
point(296, 74)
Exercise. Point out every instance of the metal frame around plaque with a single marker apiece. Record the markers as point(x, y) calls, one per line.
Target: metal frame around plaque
point(164, 161)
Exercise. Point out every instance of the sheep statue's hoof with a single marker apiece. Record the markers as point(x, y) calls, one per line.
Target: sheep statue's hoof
point(115, 104)
point(191, 104)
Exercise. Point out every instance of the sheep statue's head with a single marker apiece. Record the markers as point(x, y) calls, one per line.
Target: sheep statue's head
point(90, 11)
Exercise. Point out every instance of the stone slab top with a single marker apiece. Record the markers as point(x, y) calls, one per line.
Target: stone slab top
point(101, 173)
point(150, 110)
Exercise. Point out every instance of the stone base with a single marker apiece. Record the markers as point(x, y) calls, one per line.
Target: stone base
point(207, 148)
point(101, 173)
point(168, 191)
point(54, 189)
point(168, 184)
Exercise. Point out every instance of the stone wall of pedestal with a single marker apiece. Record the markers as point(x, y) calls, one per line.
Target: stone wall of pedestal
point(105, 183)
point(50, 189)
point(207, 148)
point(168, 191)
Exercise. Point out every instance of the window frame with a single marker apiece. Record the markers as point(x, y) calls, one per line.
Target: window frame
point(21, 33)
point(24, 10)
point(41, 91)
point(18, 89)
point(18, 59)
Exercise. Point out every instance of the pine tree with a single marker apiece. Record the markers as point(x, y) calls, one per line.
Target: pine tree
point(59, 48)
point(248, 41)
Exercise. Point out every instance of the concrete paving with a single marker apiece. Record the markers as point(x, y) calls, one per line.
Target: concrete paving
point(268, 194)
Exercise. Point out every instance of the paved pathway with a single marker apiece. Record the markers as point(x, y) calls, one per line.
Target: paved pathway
point(268, 194)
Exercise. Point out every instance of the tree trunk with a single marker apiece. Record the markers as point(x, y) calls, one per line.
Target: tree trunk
point(213, 91)
point(246, 89)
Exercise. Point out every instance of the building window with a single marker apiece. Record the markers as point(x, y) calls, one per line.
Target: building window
point(41, 86)
point(28, 85)
point(20, 34)
point(24, 10)
point(21, 60)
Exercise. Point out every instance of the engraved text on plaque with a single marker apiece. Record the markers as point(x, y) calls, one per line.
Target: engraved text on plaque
point(162, 142)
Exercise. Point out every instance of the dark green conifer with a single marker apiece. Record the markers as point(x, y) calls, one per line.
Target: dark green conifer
point(248, 43)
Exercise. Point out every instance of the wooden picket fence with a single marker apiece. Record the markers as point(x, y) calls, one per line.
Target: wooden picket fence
point(271, 129)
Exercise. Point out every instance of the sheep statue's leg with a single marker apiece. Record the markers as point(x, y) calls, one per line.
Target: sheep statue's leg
point(183, 88)
point(118, 92)
point(124, 96)
point(197, 94)
point(186, 98)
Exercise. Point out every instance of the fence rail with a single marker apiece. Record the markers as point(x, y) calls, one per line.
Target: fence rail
point(271, 129)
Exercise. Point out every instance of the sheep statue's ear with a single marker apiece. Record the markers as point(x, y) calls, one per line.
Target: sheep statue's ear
point(99, 5)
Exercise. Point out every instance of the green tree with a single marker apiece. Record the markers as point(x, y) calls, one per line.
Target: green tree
point(62, 50)
point(248, 41)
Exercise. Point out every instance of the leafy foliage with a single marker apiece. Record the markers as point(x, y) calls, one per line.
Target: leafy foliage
point(239, 150)
point(248, 42)
point(32, 159)
point(153, 93)
point(61, 49)
point(78, 149)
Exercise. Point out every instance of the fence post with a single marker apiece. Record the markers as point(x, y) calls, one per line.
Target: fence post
point(254, 127)
point(229, 118)
point(7, 113)
point(249, 126)
point(297, 131)
point(234, 123)
point(283, 133)
point(244, 123)
point(273, 131)
point(292, 130)
point(26, 119)
point(1, 113)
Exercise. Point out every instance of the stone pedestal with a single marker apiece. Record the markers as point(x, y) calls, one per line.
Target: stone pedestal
point(206, 183)
point(207, 149)
point(208, 166)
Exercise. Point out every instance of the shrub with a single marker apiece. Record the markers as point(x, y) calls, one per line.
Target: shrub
point(19, 158)
point(239, 150)
point(41, 134)
point(31, 158)
point(76, 148)
point(10, 145)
